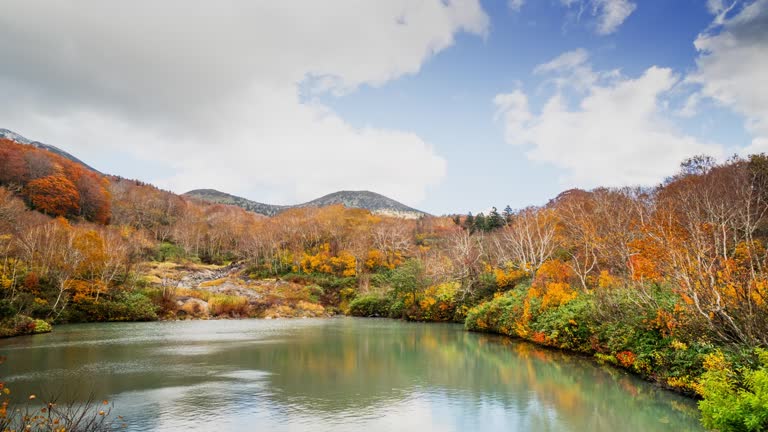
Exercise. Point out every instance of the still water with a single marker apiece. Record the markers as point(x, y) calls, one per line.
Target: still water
point(342, 374)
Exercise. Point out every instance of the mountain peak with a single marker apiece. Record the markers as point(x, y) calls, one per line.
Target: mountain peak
point(13, 136)
point(372, 201)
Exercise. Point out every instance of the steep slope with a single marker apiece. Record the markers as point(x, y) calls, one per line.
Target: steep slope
point(212, 195)
point(376, 203)
point(13, 136)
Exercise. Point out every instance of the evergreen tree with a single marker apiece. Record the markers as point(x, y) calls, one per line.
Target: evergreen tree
point(481, 224)
point(494, 220)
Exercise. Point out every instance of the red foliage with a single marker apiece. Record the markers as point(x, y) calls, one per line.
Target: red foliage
point(13, 167)
point(55, 185)
point(626, 358)
point(54, 195)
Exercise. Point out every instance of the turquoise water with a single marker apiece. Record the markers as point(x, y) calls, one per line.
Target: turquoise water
point(341, 374)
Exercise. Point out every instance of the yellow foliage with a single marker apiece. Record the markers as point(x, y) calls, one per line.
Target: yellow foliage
point(606, 280)
point(344, 264)
point(508, 277)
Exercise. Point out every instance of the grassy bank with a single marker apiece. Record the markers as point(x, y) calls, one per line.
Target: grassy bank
point(647, 338)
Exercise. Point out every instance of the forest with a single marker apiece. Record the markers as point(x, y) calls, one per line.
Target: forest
point(668, 282)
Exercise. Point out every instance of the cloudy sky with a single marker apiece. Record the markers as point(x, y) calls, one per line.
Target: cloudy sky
point(446, 105)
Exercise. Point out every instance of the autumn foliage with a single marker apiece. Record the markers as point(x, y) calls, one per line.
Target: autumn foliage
point(649, 279)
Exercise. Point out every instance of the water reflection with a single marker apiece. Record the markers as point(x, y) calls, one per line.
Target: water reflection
point(340, 374)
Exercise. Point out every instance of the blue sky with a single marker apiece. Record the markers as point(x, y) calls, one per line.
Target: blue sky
point(450, 101)
point(449, 106)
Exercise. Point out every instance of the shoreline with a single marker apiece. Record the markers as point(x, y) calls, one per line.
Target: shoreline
point(591, 357)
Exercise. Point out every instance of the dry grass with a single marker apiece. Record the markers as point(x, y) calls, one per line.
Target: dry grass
point(213, 283)
point(196, 293)
point(235, 306)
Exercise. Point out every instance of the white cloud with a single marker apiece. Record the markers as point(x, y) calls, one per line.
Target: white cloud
point(515, 5)
point(732, 65)
point(212, 90)
point(609, 14)
point(616, 135)
point(565, 61)
point(691, 106)
point(572, 69)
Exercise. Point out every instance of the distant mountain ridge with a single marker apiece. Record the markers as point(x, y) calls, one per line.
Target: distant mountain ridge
point(375, 203)
point(13, 136)
point(214, 196)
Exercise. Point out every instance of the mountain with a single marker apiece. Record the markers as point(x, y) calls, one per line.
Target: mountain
point(372, 201)
point(212, 195)
point(13, 136)
point(376, 203)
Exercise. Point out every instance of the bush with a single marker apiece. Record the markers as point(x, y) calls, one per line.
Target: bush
point(120, 306)
point(7, 309)
point(498, 315)
point(42, 327)
point(23, 325)
point(568, 326)
point(169, 252)
point(370, 306)
point(734, 400)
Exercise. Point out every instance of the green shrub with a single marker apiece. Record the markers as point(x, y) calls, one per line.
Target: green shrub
point(381, 279)
point(7, 309)
point(497, 315)
point(120, 306)
point(42, 327)
point(568, 326)
point(396, 308)
point(169, 252)
point(19, 325)
point(734, 400)
point(370, 306)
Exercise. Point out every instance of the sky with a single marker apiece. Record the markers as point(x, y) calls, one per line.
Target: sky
point(449, 106)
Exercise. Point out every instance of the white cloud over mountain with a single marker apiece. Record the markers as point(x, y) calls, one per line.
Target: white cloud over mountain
point(213, 91)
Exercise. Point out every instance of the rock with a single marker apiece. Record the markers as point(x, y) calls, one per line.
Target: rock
point(192, 306)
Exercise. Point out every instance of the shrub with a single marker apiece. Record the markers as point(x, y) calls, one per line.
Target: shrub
point(734, 400)
point(568, 326)
point(169, 252)
point(23, 325)
point(370, 306)
point(7, 309)
point(42, 327)
point(119, 306)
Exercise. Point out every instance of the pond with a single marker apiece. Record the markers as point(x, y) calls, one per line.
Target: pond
point(340, 374)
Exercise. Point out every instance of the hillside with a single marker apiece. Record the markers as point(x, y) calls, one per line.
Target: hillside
point(376, 203)
point(372, 201)
point(13, 136)
point(214, 196)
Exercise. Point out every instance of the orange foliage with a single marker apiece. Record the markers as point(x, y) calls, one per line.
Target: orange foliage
point(553, 282)
point(54, 195)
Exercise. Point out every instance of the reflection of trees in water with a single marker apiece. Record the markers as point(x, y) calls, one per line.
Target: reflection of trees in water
point(347, 365)
point(341, 370)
